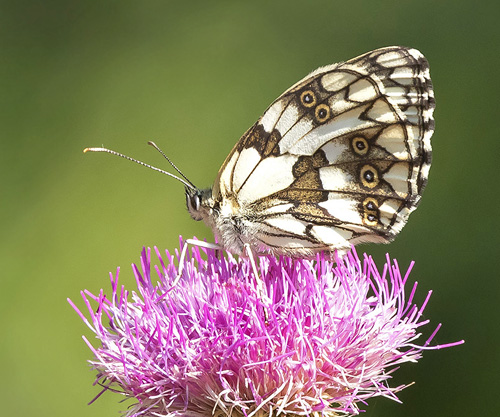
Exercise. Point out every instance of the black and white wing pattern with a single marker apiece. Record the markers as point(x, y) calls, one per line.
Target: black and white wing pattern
point(340, 158)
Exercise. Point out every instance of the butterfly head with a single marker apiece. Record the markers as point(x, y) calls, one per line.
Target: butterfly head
point(199, 203)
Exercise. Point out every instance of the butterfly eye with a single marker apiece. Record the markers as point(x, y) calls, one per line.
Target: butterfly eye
point(369, 176)
point(322, 113)
point(195, 201)
point(308, 98)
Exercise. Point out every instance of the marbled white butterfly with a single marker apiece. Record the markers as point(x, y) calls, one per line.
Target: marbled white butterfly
point(340, 158)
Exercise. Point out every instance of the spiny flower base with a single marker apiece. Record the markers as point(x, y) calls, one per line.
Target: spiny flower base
point(334, 332)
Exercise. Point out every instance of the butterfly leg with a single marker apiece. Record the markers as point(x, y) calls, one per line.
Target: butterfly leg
point(184, 250)
point(260, 283)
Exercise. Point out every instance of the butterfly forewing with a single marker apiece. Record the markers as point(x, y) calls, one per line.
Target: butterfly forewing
point(340, 158)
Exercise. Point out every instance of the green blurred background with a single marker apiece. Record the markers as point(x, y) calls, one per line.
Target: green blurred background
point(193, 76)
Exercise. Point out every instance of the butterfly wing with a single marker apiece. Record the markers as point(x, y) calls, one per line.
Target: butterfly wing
point(340, 158)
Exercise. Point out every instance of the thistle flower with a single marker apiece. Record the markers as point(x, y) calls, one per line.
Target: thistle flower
point(327, 337)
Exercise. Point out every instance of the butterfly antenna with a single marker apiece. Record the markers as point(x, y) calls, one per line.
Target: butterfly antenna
point(184, 180)
point(154, 145)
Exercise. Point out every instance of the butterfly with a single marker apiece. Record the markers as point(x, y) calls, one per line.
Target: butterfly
point(340, 158)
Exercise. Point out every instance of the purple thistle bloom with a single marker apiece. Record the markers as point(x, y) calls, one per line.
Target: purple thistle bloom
point(335, 332)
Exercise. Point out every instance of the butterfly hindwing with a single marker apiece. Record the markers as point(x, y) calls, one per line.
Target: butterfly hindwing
point(340, 158)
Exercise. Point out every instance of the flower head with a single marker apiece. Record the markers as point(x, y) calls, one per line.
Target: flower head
point(327, 337)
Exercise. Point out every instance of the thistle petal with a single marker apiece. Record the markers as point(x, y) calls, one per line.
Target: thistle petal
point(333, 334)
